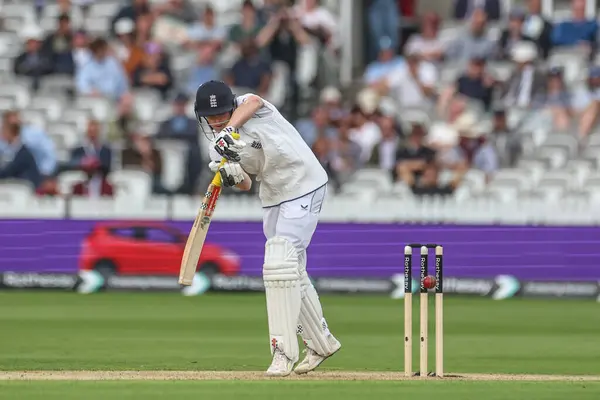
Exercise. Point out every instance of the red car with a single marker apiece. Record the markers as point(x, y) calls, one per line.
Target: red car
point(148, 249)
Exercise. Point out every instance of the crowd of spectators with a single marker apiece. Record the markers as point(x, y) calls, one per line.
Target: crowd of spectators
point(401, 120)
point(137, 53)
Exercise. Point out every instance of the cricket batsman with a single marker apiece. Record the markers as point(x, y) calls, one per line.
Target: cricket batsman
point(292, 190)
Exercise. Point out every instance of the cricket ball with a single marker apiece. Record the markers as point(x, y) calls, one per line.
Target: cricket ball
point(429, 282)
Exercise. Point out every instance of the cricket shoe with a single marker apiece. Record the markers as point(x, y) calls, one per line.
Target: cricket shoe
point(312, 359)
point(281, 364)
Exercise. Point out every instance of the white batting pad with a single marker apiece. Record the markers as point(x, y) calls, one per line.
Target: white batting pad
point(282, 287)
point(312, 326)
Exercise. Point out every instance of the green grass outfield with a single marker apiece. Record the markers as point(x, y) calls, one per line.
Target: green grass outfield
point(167, 332)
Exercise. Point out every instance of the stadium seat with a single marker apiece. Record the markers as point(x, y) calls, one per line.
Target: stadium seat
point(131, 183)
point(67, 133)
point(34, 117)
point(20, 92)
point(7, 103)
point(67, 179)
point(100, 108)
point(104, 9)
point(52, 107)
point(173, 157)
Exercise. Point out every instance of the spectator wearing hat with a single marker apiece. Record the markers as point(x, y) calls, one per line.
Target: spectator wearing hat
point(413, 156)
point(558, 99)
point(103, 75)
point(586, 102)
point(331, 100)
point(317, 126)
point(59, 47)
point(125, 47)
point(464, 9)
point(578, 31)
point(475, 84)
point(202, 71)
point(537, 28)
point(474, 150)
point(526, 87)
point(473, 41)
point(386, 62)
point(206, 31)
point(512, 34)
point(33, 62)
point(412, 84)
point(154, 71)
point(185, 129)
point(364, 131)
point(428, 42)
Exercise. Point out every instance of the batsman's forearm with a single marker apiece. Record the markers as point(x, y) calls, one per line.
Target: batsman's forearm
point(245, 111)
point(246, 184)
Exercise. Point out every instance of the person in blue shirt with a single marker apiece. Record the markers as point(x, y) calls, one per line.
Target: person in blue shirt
point(37, 141)
point(17, 160)
point(103, 75)
point(386, 62)
point(579, 30)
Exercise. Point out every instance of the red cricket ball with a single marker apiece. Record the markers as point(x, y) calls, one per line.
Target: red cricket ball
point(429, 282)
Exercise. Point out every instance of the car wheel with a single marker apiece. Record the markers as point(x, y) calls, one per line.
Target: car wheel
point(105, 268)
point(209, 269)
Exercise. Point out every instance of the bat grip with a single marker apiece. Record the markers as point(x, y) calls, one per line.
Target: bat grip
point(217, 181)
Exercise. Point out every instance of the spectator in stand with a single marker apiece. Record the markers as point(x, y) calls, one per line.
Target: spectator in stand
point(527, 85)
point(132, 11)
point(181, 10)
point(586, 103)
point(33, 62)
point(323, 150)
point(203, 71)
point(346, 156)
point(125, 121)
point(558, 99)
point(94, 157)
point(250, 71)
point(143, 29)
point(281, 39)
point(154, 72)
point(537, 28)
point(316, 127)
point(37, 141)
point(103, 75)
point(331, 100)
point(17, 162)
point(318, 21)
point(125, 47)
point(59, 47)
point(181, 127)
point(384, 155)
point(384, 22)
point(428, 43)
point(206, 31)
point(66, 7)
point(413, 156)
point(464, 9)
point(364, 132)
point(387, 61)
point(506, 141)
point(249, 27)
point(412, 84)
point(473, 150)
point(145, 156)
point(578, 31)
point(474, 40)
point(512, 34)
point(429, 184)
point(81, 51)
point(475, 84)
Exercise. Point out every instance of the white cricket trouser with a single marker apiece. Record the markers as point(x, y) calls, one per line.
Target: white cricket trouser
point(296, 221)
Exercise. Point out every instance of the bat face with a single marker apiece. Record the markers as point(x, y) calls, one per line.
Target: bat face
point(195, 242)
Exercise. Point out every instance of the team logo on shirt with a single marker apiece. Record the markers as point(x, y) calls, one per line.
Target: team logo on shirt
point(256, 145)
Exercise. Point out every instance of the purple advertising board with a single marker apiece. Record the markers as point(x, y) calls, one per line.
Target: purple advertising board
point(343, 250)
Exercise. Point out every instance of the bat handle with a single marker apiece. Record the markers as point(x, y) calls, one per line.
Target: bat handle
point(217, 181)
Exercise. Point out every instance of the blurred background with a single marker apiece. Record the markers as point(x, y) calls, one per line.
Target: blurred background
point(473, 124)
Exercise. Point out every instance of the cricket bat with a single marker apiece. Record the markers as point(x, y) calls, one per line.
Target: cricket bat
point(197, 236)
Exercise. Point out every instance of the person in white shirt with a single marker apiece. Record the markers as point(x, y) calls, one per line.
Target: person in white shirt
point(412, 84)
point(292, 191)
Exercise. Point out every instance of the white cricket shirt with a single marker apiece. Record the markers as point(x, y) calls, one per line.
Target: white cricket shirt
point(275, 152)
